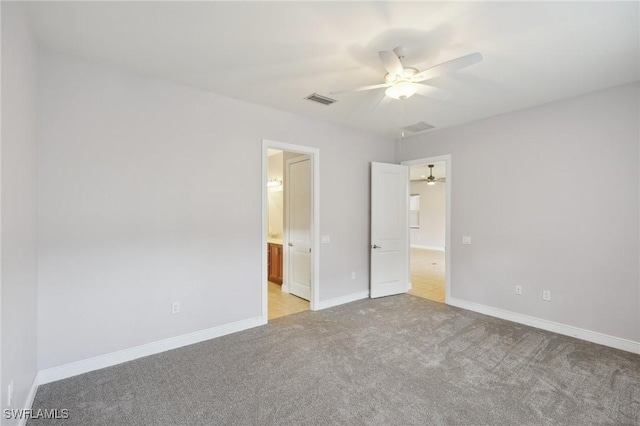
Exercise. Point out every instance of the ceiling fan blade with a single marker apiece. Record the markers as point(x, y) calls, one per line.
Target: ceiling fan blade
point(391, 62)
point(447, 67)
point(360, 89)
point(384, 100)
point(432, 92)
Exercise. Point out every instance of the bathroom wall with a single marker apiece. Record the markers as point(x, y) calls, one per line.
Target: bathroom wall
point(275, 200)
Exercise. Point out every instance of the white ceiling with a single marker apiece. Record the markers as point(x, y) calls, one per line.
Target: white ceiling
point(276, 53)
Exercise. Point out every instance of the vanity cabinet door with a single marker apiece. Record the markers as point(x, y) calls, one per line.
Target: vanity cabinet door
point(275, 263)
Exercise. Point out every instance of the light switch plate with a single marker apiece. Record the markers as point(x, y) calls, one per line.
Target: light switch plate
point(325, 239)
point(466, 240)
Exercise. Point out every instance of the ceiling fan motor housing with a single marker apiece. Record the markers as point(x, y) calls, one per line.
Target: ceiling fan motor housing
point(407, 75)
point(402, 86)
point(431, 179)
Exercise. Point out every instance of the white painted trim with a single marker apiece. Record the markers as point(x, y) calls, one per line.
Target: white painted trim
point(427, 247)
point(407, 234)
point(314, 153)
point(28, 403)
point(447, 228)
point(336, 301)
point(264, 190)
point(567, 330)
point(84, 366)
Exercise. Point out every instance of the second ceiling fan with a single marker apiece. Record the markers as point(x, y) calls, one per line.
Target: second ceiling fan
point(403, 82)
point(431, 180)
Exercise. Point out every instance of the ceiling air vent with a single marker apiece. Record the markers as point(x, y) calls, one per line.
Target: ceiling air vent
point(418, 127)
point(320, 99)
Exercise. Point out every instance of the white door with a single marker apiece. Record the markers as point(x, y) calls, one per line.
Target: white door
point(389, 229)
point(298, 222)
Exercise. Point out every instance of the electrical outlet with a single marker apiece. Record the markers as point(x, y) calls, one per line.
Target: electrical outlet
point(353, 275)
point(175, 308)
point(546, 295)
point(10, 394)
point(518, 289)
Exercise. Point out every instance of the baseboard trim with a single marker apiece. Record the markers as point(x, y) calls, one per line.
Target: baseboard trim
point(567, 330)
point(28, 403)
point(107, 360)
point(418, 246)
point(336, 301)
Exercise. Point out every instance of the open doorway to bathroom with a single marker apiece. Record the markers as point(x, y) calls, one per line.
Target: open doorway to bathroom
point(289, 232)
point(427, 233)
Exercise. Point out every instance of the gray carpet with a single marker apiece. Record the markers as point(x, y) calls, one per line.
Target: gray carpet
point(398, 360)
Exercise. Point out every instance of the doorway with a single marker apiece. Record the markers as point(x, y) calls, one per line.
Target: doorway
point(290, 231)
point(429, 208)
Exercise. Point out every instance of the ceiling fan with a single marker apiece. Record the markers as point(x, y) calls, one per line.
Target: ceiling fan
point(403, 82)
point(431, 180)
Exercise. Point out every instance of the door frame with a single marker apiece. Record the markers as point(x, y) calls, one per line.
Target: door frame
point(447, 228)
point(314, 155)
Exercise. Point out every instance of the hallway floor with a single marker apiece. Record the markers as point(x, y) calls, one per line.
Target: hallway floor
point(427, 274)
point(282, 304)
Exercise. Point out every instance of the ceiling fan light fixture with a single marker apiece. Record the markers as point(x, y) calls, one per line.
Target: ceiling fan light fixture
point(431, 180)
point(274, 183)
point(401, 90)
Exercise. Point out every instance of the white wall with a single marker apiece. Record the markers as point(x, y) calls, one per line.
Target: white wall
point(18, 212)
point(560, 213)
point(150, 192)
point(433, 204)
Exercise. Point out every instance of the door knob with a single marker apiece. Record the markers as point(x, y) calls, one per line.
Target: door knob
point(375, 246)
point(290, 244)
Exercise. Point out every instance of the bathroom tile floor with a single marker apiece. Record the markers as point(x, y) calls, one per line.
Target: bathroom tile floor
point(282, 304)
